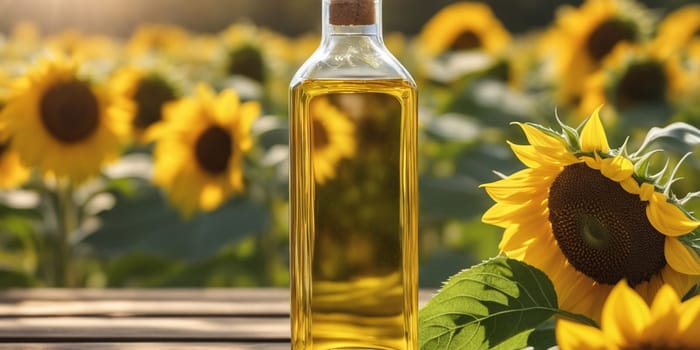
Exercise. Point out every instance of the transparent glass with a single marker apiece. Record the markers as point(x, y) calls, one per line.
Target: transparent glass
point(353, 193)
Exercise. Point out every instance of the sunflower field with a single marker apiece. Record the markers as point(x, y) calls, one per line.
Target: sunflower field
point(161, 158)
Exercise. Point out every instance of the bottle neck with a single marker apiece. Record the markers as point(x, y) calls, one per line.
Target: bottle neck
point(351, 17)
point(352, 45)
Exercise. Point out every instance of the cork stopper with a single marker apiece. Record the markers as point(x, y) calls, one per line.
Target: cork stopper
point(352, 12)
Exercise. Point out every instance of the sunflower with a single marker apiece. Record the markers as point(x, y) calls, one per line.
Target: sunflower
point(153, 38)
point(582, 37)
point(397, 44)
point(304, 46)
point(23, 42)
point(74, 43)
point(633, 77)
point(200, 144)
point(679, 30)
point(63, 124)
point(202, 48)
point(255, 62)
point(148, 91)
point(630, 323)
point(253, 52)
point(463, 26)
point(332, 138)
point(583, 215)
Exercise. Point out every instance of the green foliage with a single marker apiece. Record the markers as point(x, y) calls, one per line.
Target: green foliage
point(138, 269)
point(17, 279)
point(19, 256)
point(496, 304)
point(146, 223)
point(543, 337)
point(679, 137)
point(233, 265)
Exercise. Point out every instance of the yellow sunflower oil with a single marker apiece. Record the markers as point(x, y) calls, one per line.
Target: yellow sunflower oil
point(353, 189)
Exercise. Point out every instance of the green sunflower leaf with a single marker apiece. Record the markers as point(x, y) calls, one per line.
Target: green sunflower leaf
point(496, 304)
point(680, 137)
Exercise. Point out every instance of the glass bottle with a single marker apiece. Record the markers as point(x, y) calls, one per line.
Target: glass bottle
point(353, 189)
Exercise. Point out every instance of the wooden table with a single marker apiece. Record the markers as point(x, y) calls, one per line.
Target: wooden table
point(97, 319)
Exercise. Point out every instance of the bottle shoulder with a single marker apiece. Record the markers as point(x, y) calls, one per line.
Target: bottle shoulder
point(352, 58)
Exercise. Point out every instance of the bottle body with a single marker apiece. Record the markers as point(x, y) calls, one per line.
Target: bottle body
point(353, 191)
point(354, 214)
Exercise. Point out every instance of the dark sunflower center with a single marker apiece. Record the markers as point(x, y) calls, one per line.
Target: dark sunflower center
point(4, 146)
point(602, 229)
point(467, 40)
point(604, 37)
point(247, 61)
point(69, 111)
point(320, 135)
point(213, 150)
point(642, 83)
point(150, 96)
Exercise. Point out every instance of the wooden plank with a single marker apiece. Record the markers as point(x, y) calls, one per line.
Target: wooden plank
point(145, 346)
point(153, 302)
point(147, 319)
point(130, 308)
point(135, 329)
point(160, 294)
point(210, 294)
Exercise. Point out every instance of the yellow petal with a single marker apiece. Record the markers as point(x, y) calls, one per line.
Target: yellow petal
point(646, 191)
point(536, 157)
point(664, 316)
point(680, 282)
point(235, 173)
point(504, 214)
point(680, 257)
point(211, 197)
point(226, 107)
point(527, 154)
point(593, 136)
point(204, 93)
point(247, 114)
point(520, 187)
point(630, 185)
point(499, 214)
point(513, 195)
point(593, 163)
point(524, 178)
point(575, 336)
point(537, 137)
point(667, 218)
point(617, 169)
point(625, 314)
point(689, 323)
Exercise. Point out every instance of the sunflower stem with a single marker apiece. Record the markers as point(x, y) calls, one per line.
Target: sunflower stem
point(269, 240)
point(66, 225)
point(47, 243)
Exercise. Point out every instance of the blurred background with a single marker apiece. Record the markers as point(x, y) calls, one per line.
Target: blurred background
point(125, 222)
point(119, 18)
